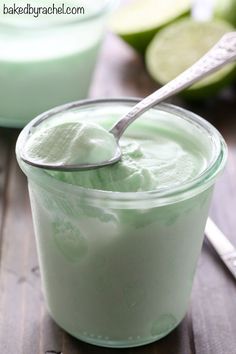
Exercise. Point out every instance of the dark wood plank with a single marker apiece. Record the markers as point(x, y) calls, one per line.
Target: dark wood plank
point(214, 300)
point(4, 170)
point(20, 296)
point(5, 146)
point(213, 306)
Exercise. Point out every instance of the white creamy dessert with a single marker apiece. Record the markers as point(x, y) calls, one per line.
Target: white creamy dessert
point(71, 143)
point(48, 60)
point(118, 246)
point(160, 160)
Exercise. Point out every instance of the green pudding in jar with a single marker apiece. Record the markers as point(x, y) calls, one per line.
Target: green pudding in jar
point(47, 59)
point(118, 245)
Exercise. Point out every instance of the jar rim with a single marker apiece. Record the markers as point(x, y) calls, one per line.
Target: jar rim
point(103, 10)
point(162, 196)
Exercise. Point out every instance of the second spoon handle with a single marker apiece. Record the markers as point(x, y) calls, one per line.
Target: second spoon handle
point(222, 246)
point(222, 53)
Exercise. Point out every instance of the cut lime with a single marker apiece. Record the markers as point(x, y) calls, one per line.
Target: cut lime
point(138, 21)
point(226, 10)
point(180, 45)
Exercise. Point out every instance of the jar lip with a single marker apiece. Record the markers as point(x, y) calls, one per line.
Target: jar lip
point(165, 195)
point(107, 7)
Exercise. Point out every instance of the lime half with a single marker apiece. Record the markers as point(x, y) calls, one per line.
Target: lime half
point(226, 10)
point(138, 21)
point(180, 45)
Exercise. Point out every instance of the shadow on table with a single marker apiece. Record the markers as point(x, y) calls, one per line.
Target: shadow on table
point(63, 343)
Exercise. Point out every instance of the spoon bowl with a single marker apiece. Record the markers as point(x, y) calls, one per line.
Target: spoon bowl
point(74, 167)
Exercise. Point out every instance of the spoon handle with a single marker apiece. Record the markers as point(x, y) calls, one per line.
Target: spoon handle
point(222, 246)
point(222, 53)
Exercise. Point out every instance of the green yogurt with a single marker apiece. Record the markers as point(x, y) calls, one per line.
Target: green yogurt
point(160, 159)
point(48, 60)
point(118, 246)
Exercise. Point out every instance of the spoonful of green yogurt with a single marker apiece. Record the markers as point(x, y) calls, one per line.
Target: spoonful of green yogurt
point(74, 146)
point(71, 146)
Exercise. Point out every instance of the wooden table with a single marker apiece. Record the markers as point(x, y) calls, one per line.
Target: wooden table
point(25, 326)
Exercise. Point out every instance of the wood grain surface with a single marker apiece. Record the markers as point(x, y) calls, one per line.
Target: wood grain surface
point(25, 326)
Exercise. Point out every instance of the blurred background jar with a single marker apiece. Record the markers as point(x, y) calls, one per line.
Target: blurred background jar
point(47, 60)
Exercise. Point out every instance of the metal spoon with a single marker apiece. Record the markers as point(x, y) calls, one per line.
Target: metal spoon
point(223, 52)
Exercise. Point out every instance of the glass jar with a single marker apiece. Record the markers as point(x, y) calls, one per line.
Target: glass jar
point(48, 60)
point(117, 268)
